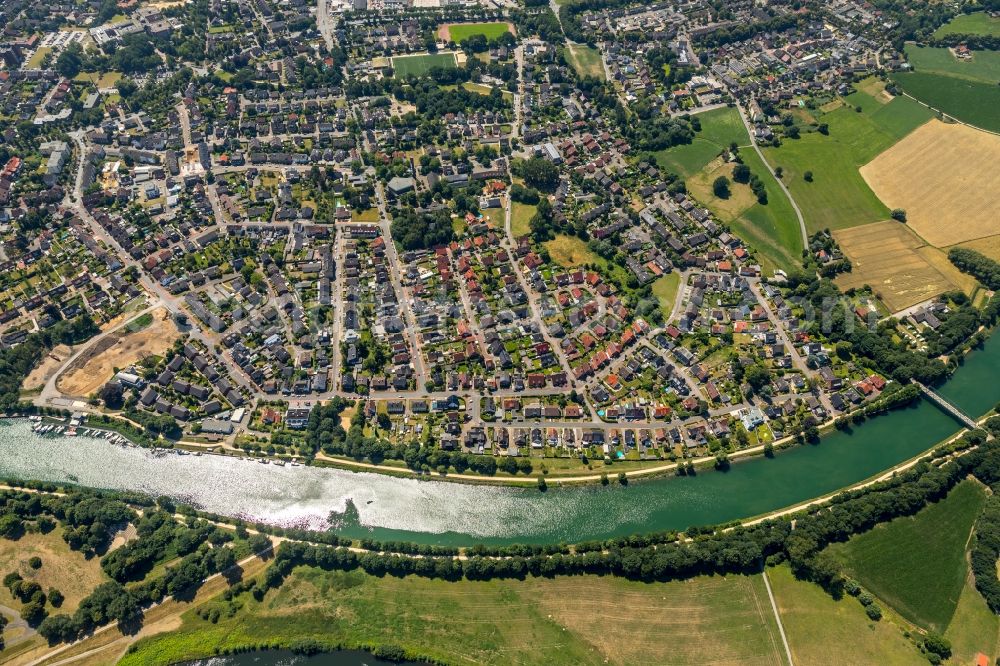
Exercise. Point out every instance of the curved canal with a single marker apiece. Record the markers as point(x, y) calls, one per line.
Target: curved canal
point(384, 507)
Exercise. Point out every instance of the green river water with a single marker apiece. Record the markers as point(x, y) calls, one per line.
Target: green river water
point(383, 507)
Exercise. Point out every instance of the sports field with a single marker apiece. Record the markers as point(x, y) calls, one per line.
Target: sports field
point(888, 257)
point(566, 620)
point(945, 177)
point(419, 65)
point(965, 89)
point(918, 564)
point(977, 23)
point(838, 196)
point(459, 32)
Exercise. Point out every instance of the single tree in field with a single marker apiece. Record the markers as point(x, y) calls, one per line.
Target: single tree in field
point(808, 175)
point(898, 214)
point(741, 173)
point(721, 187)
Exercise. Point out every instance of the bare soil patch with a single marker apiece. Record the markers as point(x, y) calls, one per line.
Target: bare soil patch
point(119, 350)
point(945, 178)
point(891, 259)
point(48, 366)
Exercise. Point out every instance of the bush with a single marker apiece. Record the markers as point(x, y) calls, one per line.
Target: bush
point(35, 562)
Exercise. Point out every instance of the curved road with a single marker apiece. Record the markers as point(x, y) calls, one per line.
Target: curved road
point(791, 200)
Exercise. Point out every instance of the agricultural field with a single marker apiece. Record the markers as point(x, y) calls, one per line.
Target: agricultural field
point(945, 177)
point(918, 564)
point(838, 196)
point(966, 90)
point(822, 630)
point(977, 23)
point(887, 257)
point(459, 32)
point(119, 350)
point(585, 60)
point(418, 65)
point(498, 622)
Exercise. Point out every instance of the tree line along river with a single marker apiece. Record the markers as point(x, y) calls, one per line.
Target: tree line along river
point(424, 511)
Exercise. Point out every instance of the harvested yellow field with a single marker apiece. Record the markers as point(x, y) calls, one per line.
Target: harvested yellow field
point(990, 246)
point(945, 178)
point(891, 260)
point(119, 350)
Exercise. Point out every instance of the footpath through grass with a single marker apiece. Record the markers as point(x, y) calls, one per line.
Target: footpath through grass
point(565, 620)
point(918, 564)
point(771, 229)
point(838, 196)
point(821, 630)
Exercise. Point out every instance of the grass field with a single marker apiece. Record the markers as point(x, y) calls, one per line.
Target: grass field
point(585, 60)
point(887, 257)
point(984, 66)
point(459, 32)
point(569, 251)
point(520, 216)
point(969, 101)
point(419, 65)
point(64, 569)
point(838, 197)
point(944, 176)
point(917, 564)
point(964, 89)
point(570, 620)
point(665, 290)
point(977, 23)
point(772, 230)
point(36, 59)
point(822, 631)
point(973, 629)
point(719, 128)
point(100, 81)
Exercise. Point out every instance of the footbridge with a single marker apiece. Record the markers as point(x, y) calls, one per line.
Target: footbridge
point(965, 419)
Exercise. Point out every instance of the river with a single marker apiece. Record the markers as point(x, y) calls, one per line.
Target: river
point(425, 511)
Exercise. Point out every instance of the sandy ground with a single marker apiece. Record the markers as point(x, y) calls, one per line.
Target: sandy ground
point(120, 350)
point(48, 366)
point(945, 177)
